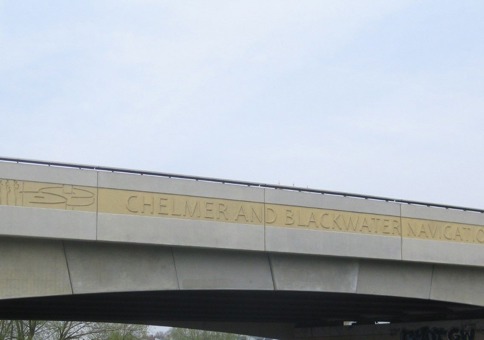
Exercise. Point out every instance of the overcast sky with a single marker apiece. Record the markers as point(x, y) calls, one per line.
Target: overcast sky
point(372, 97)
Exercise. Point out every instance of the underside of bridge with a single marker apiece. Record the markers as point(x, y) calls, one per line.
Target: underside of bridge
point(298, 309)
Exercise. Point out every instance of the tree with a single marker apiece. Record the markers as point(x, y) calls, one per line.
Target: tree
point(195, 334)
point(69, 330)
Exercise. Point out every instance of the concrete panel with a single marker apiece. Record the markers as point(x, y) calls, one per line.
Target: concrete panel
point(440, 214)
point(50, 174)
point(442, 252)
point(32, 268)
point(212, 269)
point(403, 279)
point(288, 240)
point(314, 273)
point(38, 222)
point(313, 200)
point(170, 231)
point(458, 284)
point(179, 186)
point(101, 267)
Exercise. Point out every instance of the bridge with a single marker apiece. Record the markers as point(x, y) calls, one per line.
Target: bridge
point(106, 244)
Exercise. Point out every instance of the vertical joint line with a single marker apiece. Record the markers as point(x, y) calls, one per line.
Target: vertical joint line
point(67, 265)
point(174, 266)
point(401, 233)
point(269, 257)
point(431, 281)
point(97, 204)
point(264, 217)
point(357, 280)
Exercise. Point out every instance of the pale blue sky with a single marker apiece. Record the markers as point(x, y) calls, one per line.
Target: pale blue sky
point(373, 97)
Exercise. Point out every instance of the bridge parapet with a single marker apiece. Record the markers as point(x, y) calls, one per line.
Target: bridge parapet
point(119, 207)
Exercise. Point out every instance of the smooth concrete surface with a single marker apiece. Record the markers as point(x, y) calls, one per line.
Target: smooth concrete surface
point(458, 284)
point(292, 240)
point(442, 252)
point(313, 200)
point(98, 267)
point(170, 231)
point(212, 269)
point(179, 187)
point(48, 223)
point(410, 280)
point(31, 268)
point(39, 267)
point(58, 175)
point(441, 214)
point(314, 273)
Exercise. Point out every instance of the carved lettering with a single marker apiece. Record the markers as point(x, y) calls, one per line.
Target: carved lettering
point(365, 225)
point(116, 201)
point(163, 206)
point(448, 232)
point(480, 236)
point(222, 210)
point(312, 221)
point(289, 217)
point(131, 204)
point(195, 212)
point(271, 216)
point(396, 227)
point(413, 229)
point(209, 210)
point(351, 223)
point(241, 213)
point(147, 205)
point(323, 222)
point(256, 216)
point(174, 211)
point(386, 227)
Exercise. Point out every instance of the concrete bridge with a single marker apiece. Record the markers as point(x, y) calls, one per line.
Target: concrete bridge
point(101, 244)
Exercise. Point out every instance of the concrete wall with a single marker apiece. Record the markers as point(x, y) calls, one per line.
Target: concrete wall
point(70, 204)
point(36, 267)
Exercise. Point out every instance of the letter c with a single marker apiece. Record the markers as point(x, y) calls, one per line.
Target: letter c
point(129, 205)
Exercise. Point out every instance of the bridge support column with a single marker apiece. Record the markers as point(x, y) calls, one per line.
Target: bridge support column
point(432, 330)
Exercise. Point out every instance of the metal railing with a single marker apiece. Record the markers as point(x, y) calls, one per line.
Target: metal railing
point(234, 182)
